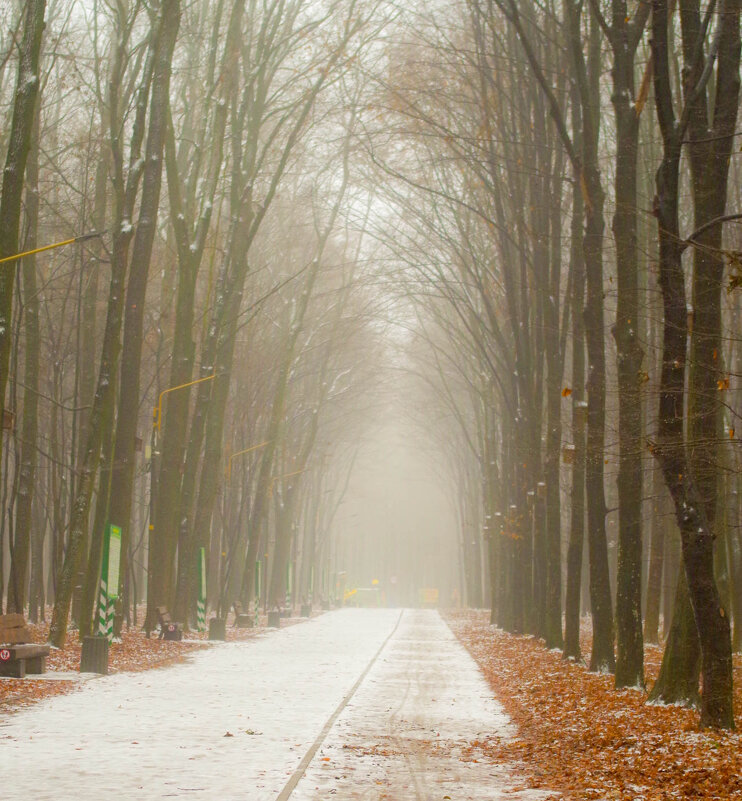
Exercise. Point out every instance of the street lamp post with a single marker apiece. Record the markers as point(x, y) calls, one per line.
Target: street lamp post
point(273, 480)
point(156, 426)
point(245, 450)
point(228, 474)
point(157, 413)
point(285, 475)
point(43, 248)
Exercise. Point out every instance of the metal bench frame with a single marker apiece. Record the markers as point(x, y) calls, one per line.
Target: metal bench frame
point(18, 653)
point(169, 629)
point(242, 620)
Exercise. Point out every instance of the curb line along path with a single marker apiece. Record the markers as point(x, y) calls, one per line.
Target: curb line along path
point(285, 794)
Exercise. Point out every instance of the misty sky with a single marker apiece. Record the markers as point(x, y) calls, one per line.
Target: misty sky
point(399, 515)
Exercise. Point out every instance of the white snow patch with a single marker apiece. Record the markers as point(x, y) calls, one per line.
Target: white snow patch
point(161, 733)
point(166, 733)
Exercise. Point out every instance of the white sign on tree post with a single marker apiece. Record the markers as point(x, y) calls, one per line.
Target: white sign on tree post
point(109, 580)
point(201, 603)
point(258, 588)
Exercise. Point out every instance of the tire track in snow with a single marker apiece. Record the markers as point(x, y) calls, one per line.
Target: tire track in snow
point(403, 747)
point(296, 776)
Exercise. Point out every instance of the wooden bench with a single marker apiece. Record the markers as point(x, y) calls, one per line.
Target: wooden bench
point(169, 629)
point(242, 619)
point(18, 654)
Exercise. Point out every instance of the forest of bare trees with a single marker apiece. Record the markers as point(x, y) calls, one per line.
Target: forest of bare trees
point(278, 221)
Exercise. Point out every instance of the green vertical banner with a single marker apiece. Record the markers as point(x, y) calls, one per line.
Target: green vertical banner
point(201, 602)
point(109, 580)
point(288, 584)
point(258, 589)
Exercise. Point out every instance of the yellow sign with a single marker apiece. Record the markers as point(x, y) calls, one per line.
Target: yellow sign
point(428, 595)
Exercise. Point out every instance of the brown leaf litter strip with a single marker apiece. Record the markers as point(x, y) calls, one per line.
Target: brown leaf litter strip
point(579, 736)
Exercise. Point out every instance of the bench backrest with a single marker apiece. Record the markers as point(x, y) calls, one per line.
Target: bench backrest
point(13, 629)
point(163, 614)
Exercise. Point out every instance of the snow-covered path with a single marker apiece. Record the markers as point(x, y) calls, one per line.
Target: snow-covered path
point(407, 733)
point(164, 733)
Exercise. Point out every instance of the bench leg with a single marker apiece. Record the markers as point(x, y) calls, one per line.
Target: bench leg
point(15, 668)
point(36, 664)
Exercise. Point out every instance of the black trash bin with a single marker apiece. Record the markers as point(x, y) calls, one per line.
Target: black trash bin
point(94, 655)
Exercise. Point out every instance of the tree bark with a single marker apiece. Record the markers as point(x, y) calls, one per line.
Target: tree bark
point(103, 402)
point(585, 163)
point(577, 493)
point(677, 682)
point(656, 563)
point(26, 472)
point(122, 479)
point(21, 129)
point(624, 38)
point(711, 619)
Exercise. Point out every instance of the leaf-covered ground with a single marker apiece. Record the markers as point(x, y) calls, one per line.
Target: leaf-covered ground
point(579, 736)
point(134, 652)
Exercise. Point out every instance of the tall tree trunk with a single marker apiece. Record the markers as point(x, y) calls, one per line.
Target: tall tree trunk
point(21, 130)
point(37, 595)
point(577, 493)
point(585, 163)
point(229, 290)
point(90, 277)
point(190, 254)
point(91, 576)
point(602, 656)
point(102, 405)
point(285, 534)
point(711, 619)
point(624, 38)
point(122, 483)
point(735, 559)
point(104, 400)
point(710, 150)
point(263, 484)
point(677, 682)
point(197, 535)
point(656, 563)
point(555, 374)
point(26, 473)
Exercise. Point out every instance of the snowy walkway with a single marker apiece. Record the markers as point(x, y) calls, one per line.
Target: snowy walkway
point(163, 733)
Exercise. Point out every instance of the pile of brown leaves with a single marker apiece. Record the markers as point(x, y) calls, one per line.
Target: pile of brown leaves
point(133, 652)
point(579, 736)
